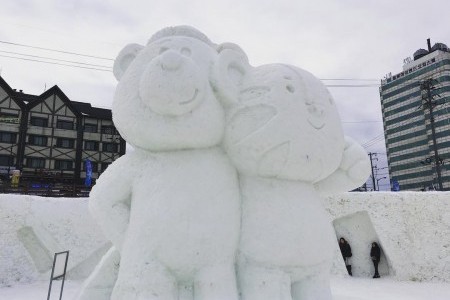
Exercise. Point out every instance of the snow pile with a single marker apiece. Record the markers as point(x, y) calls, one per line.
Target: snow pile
point(413, 230)
point(32, 229)
point(341, 288)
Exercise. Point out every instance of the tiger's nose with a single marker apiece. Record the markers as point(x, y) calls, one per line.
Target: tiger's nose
point(171, 60)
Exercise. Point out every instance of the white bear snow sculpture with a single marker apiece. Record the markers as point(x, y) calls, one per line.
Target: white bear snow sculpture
point(172, 206)
point(284, 136)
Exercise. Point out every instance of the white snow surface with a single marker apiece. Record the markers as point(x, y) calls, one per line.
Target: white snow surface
point(341, 288)
point(33, 228)
point(413, 229)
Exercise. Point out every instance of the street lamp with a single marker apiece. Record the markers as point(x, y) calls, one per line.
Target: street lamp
point(378, 179)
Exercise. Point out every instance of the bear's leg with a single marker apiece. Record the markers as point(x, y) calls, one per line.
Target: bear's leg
point(146, 281)
point(312, 288)
point(216, 283)
point(99, 285)
point(264, 283)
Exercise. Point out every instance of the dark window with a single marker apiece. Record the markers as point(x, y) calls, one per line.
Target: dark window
point(94, 166)
point(90, 127)
point(36, 162)
point(64, 124)
point(6, 160)
point(63, 164)
point(109, 147)
point(7, 137)
point(9, 114)
point(37, 140)
point(91, 145)
point(64, 143)
point(108, 130)
point(105, 166)
point(37, 121)
point(12, 118)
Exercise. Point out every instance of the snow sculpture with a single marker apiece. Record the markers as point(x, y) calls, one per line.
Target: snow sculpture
point(284, 136)
point(171, 207)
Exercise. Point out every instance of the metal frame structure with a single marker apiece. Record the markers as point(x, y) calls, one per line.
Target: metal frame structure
point(62, 276)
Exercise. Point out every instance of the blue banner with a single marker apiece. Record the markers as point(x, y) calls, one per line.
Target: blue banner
point(88, 180)
point(395, 185)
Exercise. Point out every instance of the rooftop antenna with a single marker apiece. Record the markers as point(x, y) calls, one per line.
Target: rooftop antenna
point(429, 44)
point(45, 87)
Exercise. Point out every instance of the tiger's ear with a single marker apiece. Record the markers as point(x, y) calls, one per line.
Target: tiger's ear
point(231, 68)
point(125, 58)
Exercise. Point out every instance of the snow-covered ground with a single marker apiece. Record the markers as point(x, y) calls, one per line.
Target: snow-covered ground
point(342, 289)
point(412, 228)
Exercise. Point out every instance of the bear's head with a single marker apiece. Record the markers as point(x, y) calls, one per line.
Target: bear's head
point(282, 123)
point(164, 99)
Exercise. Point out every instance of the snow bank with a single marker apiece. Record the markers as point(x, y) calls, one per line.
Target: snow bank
point(32, 229)
point(413, 230)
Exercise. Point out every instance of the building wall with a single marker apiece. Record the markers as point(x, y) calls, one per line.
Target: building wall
point(50, 136)
point(10, 116)
point(407, 123)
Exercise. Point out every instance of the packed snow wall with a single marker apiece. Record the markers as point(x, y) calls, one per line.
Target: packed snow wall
point(412, 228)
point(33, 228)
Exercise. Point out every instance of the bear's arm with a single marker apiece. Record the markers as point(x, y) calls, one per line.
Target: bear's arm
point(109, 200)
point(352, 172)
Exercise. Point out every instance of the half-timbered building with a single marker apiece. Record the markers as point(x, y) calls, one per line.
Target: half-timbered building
point(49, 137)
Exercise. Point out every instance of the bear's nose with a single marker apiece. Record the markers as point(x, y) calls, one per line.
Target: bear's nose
point(171, 60)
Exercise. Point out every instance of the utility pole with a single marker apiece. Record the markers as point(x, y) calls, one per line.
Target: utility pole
point(372, 156)
point(429, 103)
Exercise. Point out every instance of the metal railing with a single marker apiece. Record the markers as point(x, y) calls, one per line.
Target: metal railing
point(45, 190)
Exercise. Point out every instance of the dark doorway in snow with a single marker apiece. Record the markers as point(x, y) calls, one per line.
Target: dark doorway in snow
point(359, 232)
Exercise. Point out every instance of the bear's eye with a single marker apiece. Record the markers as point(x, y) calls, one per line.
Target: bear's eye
point(185, 51)
point(290, 88)
point(163, 49)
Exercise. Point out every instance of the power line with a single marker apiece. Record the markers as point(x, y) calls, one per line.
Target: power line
point(352, 85)
point(54, 50)
point(110, 70)
point(374, 140)
point(43, 57)
point(367, 121)
point(54, 63)
point(351, 79)
point(110, 59)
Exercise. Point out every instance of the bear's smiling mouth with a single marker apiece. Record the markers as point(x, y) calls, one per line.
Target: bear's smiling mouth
point(191, 99)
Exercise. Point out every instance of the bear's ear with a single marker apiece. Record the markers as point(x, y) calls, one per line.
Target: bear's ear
point(124, 59)
point(231, 68)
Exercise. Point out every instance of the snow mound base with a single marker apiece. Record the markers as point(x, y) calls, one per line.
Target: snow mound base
point(413, 229)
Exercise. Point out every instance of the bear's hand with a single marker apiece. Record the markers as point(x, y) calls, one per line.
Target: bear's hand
point(352, 172)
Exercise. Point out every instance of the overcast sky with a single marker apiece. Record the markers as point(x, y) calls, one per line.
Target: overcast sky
point(345, 39)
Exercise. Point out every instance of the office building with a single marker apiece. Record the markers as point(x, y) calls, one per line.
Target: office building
point(415, 105)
